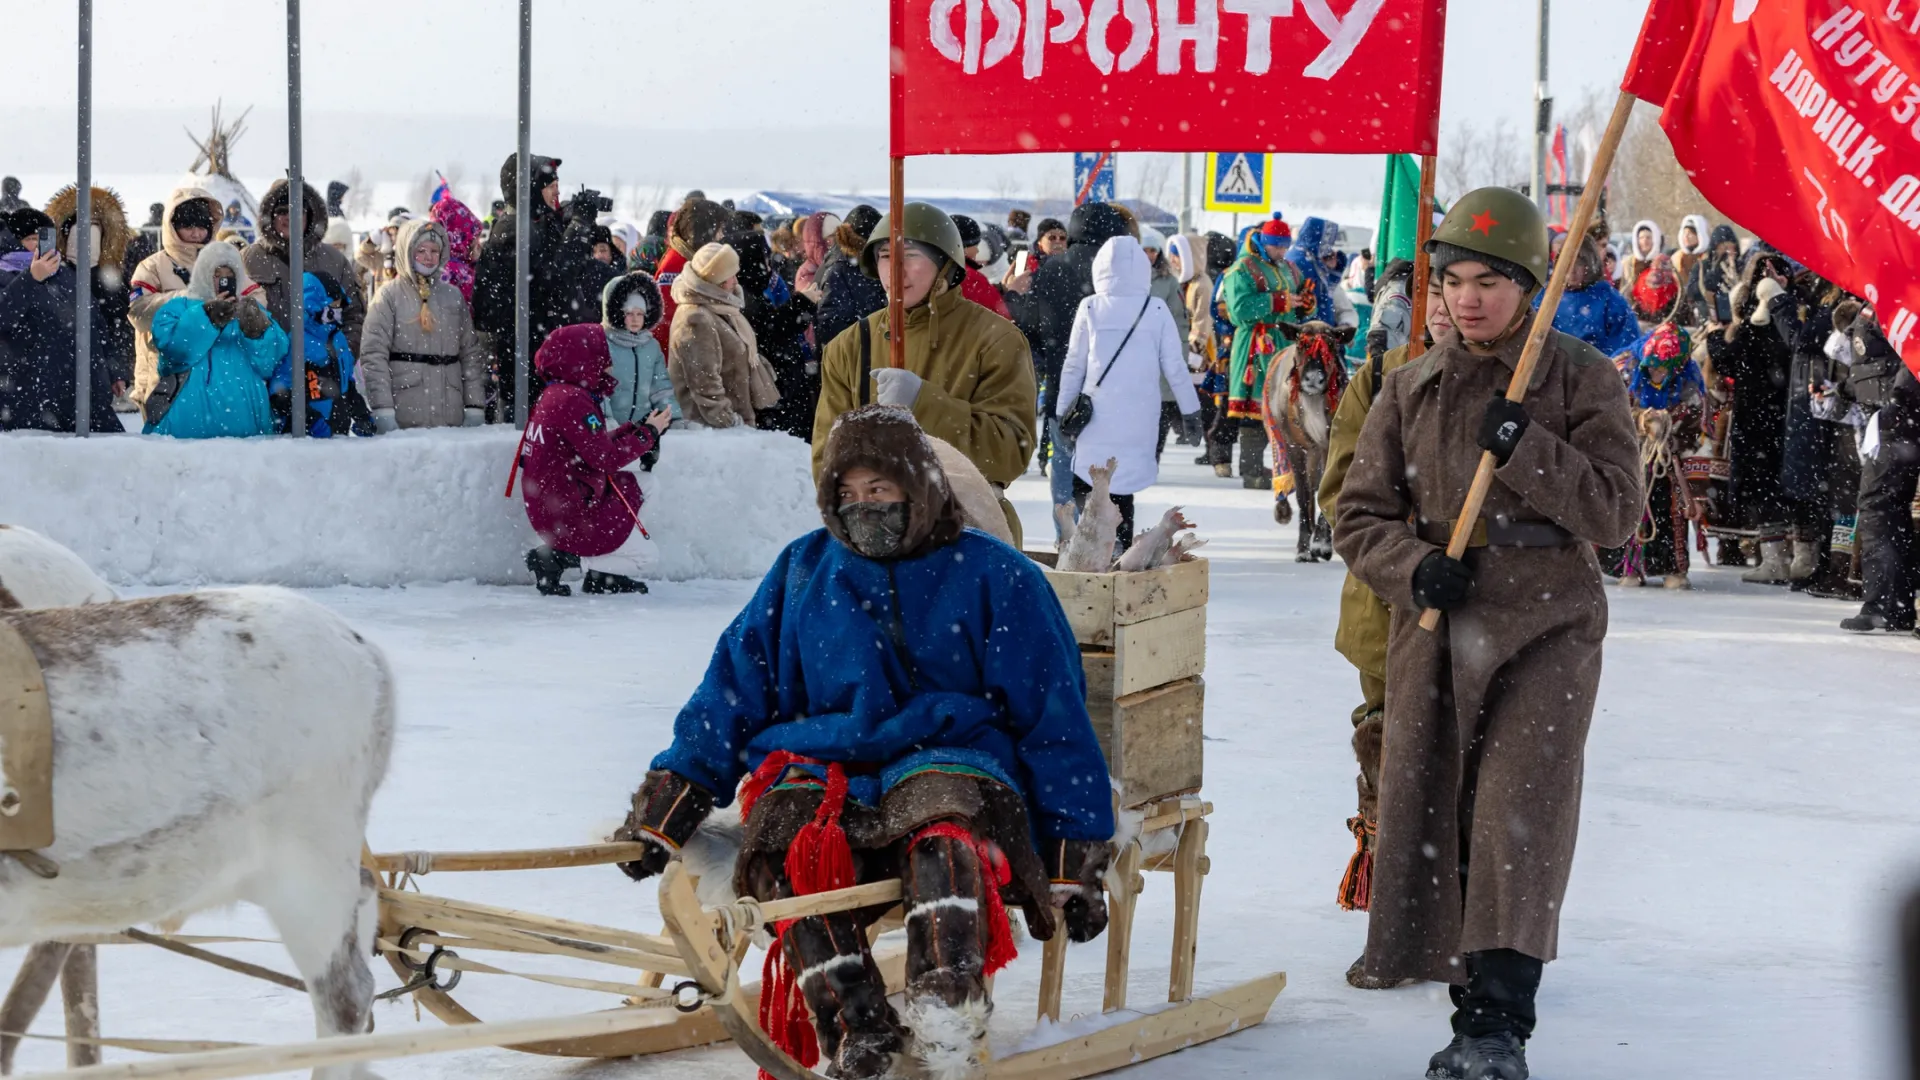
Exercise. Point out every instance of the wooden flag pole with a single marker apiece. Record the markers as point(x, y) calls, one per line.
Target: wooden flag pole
point(1469, 515)
point(896, 262)
point(1422, 262)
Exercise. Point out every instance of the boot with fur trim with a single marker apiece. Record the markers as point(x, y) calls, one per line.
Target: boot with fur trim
point(947, 1004)
point(1773, 565)
point(1805, 561)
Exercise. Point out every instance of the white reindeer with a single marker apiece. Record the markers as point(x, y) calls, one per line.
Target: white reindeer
point(211, 748)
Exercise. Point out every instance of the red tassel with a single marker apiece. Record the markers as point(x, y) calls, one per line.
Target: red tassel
point(995, 874)
point(1356, 885)
point(783, 1011)
point(820, 859)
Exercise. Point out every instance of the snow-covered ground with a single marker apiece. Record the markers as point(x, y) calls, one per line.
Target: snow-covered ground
point(1749, 824)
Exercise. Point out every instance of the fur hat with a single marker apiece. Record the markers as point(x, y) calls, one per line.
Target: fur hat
point(339, 233)
point(889, 441)
point(715, 263)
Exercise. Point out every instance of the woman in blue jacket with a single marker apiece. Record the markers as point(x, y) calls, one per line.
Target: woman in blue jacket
point(217, 348)
point(902, 697)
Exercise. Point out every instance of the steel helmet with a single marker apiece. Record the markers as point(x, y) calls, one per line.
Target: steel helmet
point(925, 223)
point(1499, 223)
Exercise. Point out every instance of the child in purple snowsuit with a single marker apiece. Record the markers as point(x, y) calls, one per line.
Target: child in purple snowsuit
point(579, 497)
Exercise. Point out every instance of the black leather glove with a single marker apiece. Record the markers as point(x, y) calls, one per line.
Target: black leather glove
point(666, 811)
point(252, 319)
point(1441, 583)
point(1502, 426)
point(1190, 429)
point(219, 312)
point(1077, 869)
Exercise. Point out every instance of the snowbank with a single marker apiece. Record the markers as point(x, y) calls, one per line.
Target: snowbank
point(411, 506)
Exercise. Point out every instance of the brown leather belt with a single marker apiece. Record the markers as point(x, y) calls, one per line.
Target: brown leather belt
point(1494, 532)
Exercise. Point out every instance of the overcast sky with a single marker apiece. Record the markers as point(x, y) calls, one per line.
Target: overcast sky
point(623, 65)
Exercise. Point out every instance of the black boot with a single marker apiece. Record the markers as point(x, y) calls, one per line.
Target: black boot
point(1494, 1013)
point(1499, 1056)
point(600, 584)
point(1450, 1063)
point(547, 565)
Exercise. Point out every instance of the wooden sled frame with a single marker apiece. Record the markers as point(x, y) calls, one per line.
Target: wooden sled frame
point(712, 1012)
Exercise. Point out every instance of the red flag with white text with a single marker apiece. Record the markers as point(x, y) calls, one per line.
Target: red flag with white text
point(1015, 76)
point(1800, 119)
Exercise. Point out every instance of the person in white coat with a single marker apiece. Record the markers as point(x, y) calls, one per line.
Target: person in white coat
point(1123, 344)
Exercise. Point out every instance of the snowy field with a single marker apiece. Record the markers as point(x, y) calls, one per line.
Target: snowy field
point(1750, 821)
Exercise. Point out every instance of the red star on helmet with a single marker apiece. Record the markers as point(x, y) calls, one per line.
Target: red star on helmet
point(1484, 222)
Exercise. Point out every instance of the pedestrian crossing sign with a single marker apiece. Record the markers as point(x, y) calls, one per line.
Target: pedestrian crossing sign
point(1238, 183)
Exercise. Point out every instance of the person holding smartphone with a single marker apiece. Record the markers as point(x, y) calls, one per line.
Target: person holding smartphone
point(218, 347)
point(37, 333)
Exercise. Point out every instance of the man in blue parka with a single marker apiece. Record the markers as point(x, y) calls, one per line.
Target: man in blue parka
point(903, 697)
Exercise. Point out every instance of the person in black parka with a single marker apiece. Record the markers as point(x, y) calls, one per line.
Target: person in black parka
point(780, 318)
point(38, 342)
point(557, 260)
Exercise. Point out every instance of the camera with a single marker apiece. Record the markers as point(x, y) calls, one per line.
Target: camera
point(587, 204)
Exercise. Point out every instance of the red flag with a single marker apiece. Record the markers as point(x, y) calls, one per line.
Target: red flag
point(1014, 76)
point(1557, 173)
point(1800, 119)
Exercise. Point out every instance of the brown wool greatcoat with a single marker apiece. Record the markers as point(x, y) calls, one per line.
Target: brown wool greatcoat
point(1487, 718)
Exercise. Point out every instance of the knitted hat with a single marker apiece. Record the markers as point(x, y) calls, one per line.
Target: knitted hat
point(1445, 255)
point(715, 263)
point(862, 219)
point(192, 214)
point(1276, 228)
point(969, 230)
point(339, 233)
point(1047, 225)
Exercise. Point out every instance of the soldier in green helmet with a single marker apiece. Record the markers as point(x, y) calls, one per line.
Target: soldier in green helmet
point(1486, 718)
point(969, 375)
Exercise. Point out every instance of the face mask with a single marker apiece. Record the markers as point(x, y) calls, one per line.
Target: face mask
point(426, 266)
point(875, 529)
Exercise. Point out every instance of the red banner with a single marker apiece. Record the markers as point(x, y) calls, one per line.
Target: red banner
point(1800, 119)
point(1293, 76)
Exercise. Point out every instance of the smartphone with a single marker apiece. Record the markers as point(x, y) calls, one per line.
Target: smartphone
point(49, 239)
point(1023, 263)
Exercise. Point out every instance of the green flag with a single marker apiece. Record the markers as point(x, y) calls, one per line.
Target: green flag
point(1399, 210)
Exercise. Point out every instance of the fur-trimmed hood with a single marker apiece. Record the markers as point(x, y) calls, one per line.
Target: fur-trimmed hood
point(613, 298)
point(410, 236)
point(179, 250)
point(217, 254)
point(276, 201)
point(888, 440)
point(108, 214)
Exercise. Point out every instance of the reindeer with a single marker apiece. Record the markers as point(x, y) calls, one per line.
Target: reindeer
point(208, 748)
point(1304, 385)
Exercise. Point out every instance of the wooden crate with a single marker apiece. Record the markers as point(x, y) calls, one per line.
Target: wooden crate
point(1143, 643)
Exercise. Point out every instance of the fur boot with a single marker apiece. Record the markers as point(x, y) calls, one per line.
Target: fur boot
point(947, 1006)
point(1676, 582)
point(1805, 560)
point(1773, 565)
point(1323, 541)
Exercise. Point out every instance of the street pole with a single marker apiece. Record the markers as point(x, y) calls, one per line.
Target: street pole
point(1542, 117)
point(1186, 193)
point(296, 238)
point(523, 225)
point(83, 235)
